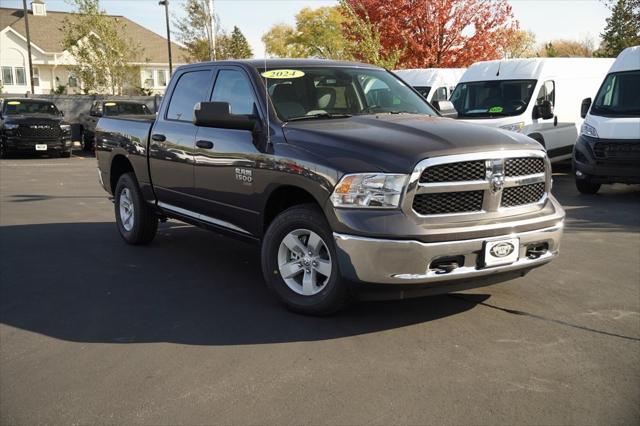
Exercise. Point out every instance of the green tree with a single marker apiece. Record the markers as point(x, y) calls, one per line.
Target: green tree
point(318, 33)
point(102, 51)
point(238, 46)
point(623, 28)
point(193, 30)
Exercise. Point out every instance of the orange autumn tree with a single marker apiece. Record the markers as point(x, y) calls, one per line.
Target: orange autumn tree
point(438, 33)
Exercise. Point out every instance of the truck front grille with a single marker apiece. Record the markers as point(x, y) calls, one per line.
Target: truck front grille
point(448, 202)
point(44, 131)
point(617, 150)
point(455, 172)
point(479, 184)
point(522, 195)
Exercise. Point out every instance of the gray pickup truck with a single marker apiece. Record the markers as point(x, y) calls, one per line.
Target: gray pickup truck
point(353, 185)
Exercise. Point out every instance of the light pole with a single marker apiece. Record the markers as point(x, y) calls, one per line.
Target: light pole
point(165, 3)
point(26, 25)
point(212, 39)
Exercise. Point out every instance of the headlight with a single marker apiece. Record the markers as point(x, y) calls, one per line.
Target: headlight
point(588, 130)
point(65, 127)
point(374, 190)
point(9, 126)
point(514, 127)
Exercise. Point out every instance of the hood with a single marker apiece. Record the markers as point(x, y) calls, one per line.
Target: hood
point(34, 119)
point(495, 122)
point(615, 127)
point(396, 143)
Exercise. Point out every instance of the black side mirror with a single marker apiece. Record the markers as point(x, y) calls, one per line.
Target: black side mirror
point(543, 110)
point(218, 114)
point(584, 108)
point(445, 108)
point(95, 113)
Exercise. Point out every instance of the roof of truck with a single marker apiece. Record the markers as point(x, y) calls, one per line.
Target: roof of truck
point(627, 60)
point(535, 68)
point(287, 63)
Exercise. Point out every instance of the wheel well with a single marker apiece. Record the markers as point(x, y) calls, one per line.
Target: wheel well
point(284, 198)
point(537, 137)
point(119, 166)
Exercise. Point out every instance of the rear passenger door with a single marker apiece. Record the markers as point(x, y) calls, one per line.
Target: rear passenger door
point(225, 159)
point(172, 143)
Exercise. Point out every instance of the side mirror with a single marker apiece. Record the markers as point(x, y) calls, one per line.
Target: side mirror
point(218, 114)
point(445, 108)
point(584, 108)
point(95, 113)
point(543, 110)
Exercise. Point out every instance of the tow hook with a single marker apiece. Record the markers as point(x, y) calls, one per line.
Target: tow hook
point(446, 265)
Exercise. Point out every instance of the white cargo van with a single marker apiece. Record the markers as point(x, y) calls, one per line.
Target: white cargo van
point(608, 148)
point(434, 84)
point(538, 97)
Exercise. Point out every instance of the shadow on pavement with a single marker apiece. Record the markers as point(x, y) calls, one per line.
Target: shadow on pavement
point(80, 282)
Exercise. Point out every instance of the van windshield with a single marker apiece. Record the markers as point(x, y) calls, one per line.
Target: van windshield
point(619, 95)
point(336, 92)
point(496, 98)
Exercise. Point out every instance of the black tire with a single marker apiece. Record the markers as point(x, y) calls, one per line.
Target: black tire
point(3, 151)
point(145, 222)
point(585, 186)
point(334, 296)
point(65, 154)
point(87, 143)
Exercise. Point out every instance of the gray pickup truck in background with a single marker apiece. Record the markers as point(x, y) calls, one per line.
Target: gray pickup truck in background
point(107, 108)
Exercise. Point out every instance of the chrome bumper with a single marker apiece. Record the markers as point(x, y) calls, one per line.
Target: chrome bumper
point(383, 261)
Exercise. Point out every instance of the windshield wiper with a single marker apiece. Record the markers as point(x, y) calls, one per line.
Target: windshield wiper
point(319, 115)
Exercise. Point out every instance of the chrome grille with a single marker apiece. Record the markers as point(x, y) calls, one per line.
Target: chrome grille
point(44, 131)
point(523, 166)
point(478, 185)
point(448, 202)
point(522, 195)
point(455, 172)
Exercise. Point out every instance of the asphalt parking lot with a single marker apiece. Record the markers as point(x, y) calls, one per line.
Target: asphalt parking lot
point(184, 331)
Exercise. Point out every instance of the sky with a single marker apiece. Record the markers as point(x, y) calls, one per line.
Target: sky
point(548, 19)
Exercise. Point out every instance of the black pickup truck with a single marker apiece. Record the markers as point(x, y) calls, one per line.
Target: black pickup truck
point(107, 108)
point(32, 126)
point(350, 181)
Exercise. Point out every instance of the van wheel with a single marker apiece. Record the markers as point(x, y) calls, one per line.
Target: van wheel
point(135, 220)
point(300, 262)
point(586, 187)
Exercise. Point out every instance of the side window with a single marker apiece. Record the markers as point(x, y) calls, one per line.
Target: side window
point(547, 93)
point(440, 94)
point(192, 87)
point(233, 87)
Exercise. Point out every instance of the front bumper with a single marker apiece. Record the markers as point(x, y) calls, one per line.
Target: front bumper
point(14, 144)
point(398, 262)
point(593, 162)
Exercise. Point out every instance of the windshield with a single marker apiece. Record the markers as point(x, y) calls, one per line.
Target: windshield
point(423, 90)
point(308, 93)
point(23, 107)
point(123, 108)
point(619, 95)
point(488, 99)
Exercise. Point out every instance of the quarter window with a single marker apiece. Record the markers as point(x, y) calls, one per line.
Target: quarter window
point(234, 87)
point(192, 87)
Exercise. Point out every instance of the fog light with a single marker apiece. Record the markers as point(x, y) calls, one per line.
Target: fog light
point(579, 173)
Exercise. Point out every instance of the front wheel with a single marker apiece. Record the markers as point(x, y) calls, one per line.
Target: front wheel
point(300, 264)
point(135, 220)
point(586, 187)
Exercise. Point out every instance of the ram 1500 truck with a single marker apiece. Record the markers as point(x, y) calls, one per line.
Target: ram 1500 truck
point(349, 180)
point(32, 126)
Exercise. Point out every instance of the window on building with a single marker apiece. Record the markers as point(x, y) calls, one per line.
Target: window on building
point(21, 79)
point(7, 76)
point(73, 81)
point(192, 87)
point(234, 87)
point(36, 76)
point(147, 78)
point(162, 78)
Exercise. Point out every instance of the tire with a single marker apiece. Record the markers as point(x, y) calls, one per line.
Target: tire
point(86, 143)
point(65, 154)
point(306, 290)
point(3, 151)
point(586, 187)
point(141, 225)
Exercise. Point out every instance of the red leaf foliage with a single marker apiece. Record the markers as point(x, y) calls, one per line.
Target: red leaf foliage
point(440, 33)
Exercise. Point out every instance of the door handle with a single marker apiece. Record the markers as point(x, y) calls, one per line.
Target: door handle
point(204, 144)
point(158, 137)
